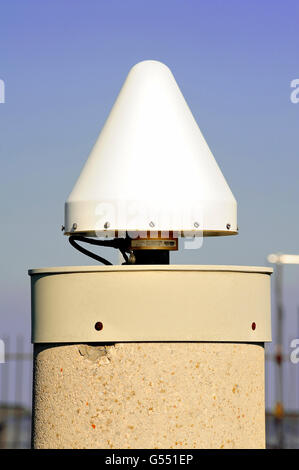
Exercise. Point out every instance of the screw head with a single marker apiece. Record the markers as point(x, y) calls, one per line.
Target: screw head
point(106, 225)
point(228, 226)
point(196, 224)
point(151, 224)
point(253, 326)
point(98, 326)
point(75, 226)
point(62, 228)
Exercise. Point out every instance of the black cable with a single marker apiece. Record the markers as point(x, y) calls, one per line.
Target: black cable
point(121, 244)
point(72, 240)
point(124, 255)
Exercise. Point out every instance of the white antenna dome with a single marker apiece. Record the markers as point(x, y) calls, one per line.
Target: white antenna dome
point(151, 168)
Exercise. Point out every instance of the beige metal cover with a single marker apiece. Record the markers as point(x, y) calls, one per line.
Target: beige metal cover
point(151, 303)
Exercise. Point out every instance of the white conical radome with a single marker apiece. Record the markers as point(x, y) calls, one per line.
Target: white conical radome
point(151, 168)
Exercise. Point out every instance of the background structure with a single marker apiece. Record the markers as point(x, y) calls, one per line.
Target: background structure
point(63, 62)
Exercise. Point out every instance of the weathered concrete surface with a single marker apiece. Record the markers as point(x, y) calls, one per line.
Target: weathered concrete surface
point(149, 395)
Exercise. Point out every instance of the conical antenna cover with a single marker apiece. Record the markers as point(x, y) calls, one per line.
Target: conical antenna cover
point(151, 168)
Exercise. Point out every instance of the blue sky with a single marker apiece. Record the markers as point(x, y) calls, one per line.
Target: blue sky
point(63, 63)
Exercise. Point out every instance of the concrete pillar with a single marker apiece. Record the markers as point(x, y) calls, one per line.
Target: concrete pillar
point(192, 390)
